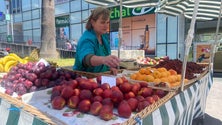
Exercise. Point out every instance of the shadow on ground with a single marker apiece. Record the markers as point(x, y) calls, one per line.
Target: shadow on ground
point(207, 120)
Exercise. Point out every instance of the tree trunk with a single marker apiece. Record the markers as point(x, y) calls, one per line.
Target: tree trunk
point(48, 41)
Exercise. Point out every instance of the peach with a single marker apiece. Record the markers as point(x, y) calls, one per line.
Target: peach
point(58, 102)
point(124, 110)
point(67, 92)
point(107, 93)
point(73, 102)
point(133, 103)
point(106, 113)
point(150, 99)
point(97, 98)
point(84, 105)
point(107, 101)
point(125, 87)
point(116, 96)
point(95, 108)
point(129, 95)
point(85, 94)
point(76, 91)
point(119, 81)
point(98, 91)
point(142, 105)
point(135, 88)
point(145, 91)
point(105, 86)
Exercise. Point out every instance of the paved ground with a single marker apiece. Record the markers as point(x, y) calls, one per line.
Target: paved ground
point(213, 115)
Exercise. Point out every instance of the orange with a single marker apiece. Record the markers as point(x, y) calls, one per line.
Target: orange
point(162, 69)
point(156, 74)
point(133, 76)
point(175, 84)
point(164, 74)
point(148, 78)
point(179, 77)
point(148, 71)
point(164, 80)
point(172, 72)
point(157, 81)
point(140, 77)
point(142, 70)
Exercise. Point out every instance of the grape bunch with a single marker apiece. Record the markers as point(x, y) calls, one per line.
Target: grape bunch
point(24, 78)
point(175, 64)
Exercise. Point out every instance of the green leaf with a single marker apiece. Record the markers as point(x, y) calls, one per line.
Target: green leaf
point(80, 115)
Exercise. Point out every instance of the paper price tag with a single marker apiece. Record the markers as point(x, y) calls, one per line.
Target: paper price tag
point(111, 80)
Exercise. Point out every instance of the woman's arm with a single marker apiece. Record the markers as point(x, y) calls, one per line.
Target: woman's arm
point(111, 61)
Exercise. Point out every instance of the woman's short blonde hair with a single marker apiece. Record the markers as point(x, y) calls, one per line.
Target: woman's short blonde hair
point(95, 14)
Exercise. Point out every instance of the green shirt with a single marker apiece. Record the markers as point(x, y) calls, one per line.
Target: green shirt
point(89, 44)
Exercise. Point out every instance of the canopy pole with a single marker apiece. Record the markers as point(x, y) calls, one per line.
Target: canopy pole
point(188, 42)
point(120, 29)
point(214, 44)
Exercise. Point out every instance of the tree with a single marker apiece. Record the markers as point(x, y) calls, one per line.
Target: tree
point(48, 41)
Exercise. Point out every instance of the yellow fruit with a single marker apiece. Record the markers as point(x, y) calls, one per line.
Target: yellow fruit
point(157, 74)
point(15, 55)
point(1, 68)
point(1, 60)
point(8, 58)
point(9, 64)
point(149, 78)
point(24, 61)
point(133, 76)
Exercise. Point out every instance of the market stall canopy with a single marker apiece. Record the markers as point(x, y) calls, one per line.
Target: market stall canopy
point(126, 3)
point(207, 10)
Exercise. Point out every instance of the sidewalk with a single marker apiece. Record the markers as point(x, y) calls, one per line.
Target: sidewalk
point(213, 113)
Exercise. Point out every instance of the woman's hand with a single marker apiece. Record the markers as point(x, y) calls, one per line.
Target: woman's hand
point(111, 61)
point(114, 71)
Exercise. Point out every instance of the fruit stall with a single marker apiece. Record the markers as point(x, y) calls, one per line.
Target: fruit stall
point(39, 92)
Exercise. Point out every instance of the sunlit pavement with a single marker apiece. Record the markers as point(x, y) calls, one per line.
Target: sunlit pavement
point(213, 112)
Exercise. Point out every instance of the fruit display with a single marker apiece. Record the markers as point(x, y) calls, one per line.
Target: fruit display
point(158, 76)
point(175, 64)
point(92, 97)
point(12, 59)
point(151, 61)
point(32, 76)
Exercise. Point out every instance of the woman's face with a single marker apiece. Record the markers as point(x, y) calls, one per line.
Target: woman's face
point(100, 26)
